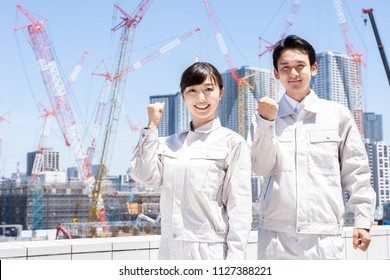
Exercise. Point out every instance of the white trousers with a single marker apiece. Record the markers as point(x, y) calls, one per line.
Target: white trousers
point(188, 250)
point(286, 246)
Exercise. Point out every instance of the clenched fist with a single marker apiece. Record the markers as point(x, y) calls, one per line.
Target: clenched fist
point(155, 111)
point(268, 108)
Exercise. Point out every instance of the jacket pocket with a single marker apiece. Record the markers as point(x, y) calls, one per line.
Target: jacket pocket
point(206, 170)
point(204, 179)
point(323, 155)
point(285, 156)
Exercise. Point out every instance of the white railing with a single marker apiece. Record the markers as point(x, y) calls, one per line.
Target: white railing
point(146, 247)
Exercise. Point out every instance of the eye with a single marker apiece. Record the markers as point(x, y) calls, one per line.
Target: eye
point(191, 91)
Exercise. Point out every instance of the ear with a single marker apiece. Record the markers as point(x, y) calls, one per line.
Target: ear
point(276, 74)
point(314, 69)
point(221, 93)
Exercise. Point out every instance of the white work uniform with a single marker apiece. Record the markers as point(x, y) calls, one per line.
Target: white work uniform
point(308, 160)
point(205, 179)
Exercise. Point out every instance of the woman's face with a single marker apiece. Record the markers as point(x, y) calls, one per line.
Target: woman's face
point(202, 101)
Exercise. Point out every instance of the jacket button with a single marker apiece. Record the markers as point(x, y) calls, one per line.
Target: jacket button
point(174, 235)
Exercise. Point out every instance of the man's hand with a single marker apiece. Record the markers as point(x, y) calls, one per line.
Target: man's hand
point(361, 238)
point(155, 111)
point(267, 108)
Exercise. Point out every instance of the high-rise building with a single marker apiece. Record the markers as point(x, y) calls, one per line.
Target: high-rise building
point(264, 84)
point(50, 161)
point(339, 79)
point(176, 116)
point(373, 127)
point(379, 158)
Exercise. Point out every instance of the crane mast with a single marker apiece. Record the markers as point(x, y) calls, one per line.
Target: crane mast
point(135, 66)
point(369, 11)
point(241, 82)
point(128, 25)
point(48, 115)
point(56, 88)
point(355, 74)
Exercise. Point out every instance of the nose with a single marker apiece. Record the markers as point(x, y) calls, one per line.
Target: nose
point(201, 95)
point(294, 73)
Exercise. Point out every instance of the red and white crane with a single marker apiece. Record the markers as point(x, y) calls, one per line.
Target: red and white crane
point(107, 86)
point(56, 87)
point(241, 81)
point(48, 117)
point(355, 74)
point(271, 46)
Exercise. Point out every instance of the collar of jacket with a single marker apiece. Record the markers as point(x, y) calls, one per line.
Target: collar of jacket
point(311, 105)
point(208, 127)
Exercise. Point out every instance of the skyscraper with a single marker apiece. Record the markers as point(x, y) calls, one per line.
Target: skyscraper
point(264, 84)
point(373, 127)
point(379, 158)
point(339, 79)
point(175, 116)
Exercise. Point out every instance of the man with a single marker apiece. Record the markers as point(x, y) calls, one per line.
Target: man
point(310, 151)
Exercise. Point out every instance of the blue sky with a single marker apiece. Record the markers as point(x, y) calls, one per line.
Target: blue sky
point(78, 26)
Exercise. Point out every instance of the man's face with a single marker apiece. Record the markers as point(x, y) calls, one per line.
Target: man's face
point(294, 72)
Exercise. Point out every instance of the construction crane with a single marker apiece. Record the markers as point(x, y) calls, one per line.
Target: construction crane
point(135, 66)
point(369, 11)
point(271, 46)
point(128, 26)
point(241, 82)
point(107, 85)
point(48, 115)
point(355, 75)
point(56, 88)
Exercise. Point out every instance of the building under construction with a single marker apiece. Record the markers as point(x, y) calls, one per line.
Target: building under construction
point(47, 206)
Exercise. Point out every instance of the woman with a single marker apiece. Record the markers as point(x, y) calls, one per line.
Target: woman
point(204, 175)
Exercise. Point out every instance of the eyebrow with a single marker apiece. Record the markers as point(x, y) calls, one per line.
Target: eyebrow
point(288, 62)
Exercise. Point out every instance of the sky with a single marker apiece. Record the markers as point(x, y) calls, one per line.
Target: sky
point(75, 27)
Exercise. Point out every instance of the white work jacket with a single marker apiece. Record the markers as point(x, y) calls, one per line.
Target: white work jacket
point(205, 179)
point(308, 160)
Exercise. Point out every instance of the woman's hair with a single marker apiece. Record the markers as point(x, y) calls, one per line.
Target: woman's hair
point(293, 42)
point(197, 73)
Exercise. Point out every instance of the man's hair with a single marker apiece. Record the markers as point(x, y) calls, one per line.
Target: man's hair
point(293, 42)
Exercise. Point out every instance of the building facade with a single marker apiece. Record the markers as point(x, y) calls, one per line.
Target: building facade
point(175, 116)
point(373, 127)
point(50, 162)
point(339, 79)
point(379, 157)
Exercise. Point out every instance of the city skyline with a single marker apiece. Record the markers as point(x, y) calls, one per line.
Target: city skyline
point(88, 25)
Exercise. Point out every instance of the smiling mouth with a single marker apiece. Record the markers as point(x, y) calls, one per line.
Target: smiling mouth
point(202, 107)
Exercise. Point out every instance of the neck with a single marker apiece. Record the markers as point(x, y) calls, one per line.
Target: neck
point(298, 96)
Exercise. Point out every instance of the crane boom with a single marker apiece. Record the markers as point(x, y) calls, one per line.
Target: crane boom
point(293, 11)
point(355, 74)
point(241, 82)
point(128, 26)
point(48, 115)
point(55, 87)
point(369, 11)
point(221, 42)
